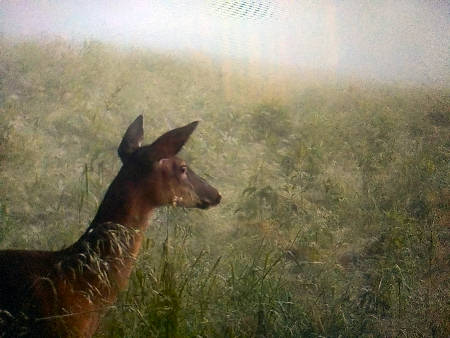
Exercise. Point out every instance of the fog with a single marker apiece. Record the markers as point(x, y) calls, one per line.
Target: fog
point(406, 41)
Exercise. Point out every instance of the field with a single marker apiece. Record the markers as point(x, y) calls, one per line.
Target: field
point(335, 214)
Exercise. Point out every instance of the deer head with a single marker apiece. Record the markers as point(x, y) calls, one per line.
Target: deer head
point(162, 177)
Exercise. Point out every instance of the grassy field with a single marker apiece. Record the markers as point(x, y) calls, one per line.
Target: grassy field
point(335, 213)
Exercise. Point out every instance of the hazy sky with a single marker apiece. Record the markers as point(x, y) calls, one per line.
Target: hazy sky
point(386, 39)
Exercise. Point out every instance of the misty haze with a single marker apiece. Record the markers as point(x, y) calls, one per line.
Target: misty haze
point(387, 40)
point(224, 168)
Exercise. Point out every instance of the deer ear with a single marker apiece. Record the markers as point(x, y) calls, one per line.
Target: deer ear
point(132, 140)
point(170, 143)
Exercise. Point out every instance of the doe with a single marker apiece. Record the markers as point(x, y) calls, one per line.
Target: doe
point(64, 293)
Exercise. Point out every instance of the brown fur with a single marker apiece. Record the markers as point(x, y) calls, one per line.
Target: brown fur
point(64, 293)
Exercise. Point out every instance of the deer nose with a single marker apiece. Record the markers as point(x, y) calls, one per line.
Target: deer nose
point(219, 197)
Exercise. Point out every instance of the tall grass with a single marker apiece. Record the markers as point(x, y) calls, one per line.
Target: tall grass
point(334, 220)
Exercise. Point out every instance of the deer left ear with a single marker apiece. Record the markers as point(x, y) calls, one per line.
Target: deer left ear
point(132, 140)
point(170, 143)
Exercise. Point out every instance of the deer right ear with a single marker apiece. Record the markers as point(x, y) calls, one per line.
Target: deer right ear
point(132, 140)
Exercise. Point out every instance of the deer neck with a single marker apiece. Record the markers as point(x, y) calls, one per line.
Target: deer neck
point(124, 204)
point(111, 243)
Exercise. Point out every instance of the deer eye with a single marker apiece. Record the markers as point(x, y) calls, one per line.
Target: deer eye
point(183, 169)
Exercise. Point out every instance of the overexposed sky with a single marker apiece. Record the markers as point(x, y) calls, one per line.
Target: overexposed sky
point(399, 40)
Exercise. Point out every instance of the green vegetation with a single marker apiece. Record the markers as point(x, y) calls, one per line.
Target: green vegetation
point(335, 213)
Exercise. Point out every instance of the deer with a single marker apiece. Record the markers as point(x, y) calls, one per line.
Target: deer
point(65, 293)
